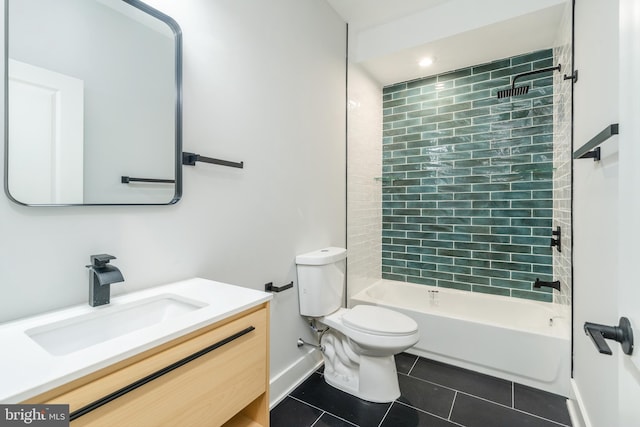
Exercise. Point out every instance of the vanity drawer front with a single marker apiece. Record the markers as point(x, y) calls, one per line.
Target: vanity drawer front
point(206, 391)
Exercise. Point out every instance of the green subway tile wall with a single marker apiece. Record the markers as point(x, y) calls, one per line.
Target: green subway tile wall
point(468, 179)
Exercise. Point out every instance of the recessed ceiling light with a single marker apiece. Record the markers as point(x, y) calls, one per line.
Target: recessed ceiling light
point(425, 62)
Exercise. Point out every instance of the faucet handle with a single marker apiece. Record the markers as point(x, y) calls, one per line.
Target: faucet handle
point(100, 260)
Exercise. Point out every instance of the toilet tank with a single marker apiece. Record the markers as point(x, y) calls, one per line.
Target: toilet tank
point(321, 281)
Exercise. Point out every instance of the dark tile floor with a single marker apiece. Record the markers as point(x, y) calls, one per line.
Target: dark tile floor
point(433, 395)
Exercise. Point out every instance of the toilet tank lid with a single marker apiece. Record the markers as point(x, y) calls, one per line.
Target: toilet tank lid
point(322, 256)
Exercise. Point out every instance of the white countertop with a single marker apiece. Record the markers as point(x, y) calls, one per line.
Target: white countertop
point(26, 369)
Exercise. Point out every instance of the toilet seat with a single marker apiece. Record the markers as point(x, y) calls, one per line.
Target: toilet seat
point(378, 321)
point(378, 338)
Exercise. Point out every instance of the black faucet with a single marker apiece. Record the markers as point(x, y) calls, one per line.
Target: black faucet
point(539, 283)
point(102, 275)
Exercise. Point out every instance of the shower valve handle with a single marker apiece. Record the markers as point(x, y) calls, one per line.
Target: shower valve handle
point(621, 333)
point(557, 242)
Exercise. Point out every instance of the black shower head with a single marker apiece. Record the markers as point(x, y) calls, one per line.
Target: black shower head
point(523, 90)
point(513, 91)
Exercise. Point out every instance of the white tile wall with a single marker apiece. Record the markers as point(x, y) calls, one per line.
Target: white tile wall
point(364, 187)
point(562, 154)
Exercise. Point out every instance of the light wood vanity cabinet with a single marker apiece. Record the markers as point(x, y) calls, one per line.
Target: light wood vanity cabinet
point(217, 376)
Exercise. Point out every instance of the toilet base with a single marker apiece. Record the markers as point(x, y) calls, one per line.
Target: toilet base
point(377, 380)
point(367, 377)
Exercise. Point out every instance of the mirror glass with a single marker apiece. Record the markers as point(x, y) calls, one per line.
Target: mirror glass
point(93, 114)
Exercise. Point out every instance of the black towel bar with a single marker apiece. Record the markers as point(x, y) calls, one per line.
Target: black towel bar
point(129, 179)
point(268, 287)
point(190, 159)
point(590, 150)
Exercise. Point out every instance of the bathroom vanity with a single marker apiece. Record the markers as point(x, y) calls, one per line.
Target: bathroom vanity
point(204, 366)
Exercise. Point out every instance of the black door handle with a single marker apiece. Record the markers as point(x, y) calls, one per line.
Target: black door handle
point(621, 333)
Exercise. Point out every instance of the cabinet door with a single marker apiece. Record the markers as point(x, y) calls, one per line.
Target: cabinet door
point(206, 391)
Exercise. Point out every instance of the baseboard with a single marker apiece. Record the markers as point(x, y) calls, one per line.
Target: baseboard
point(291, 377)
point(576, 408)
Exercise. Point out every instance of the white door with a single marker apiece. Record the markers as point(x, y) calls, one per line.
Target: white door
point(629, 247)
point(45, 163)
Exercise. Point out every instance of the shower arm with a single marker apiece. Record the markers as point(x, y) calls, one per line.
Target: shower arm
point(528, 73)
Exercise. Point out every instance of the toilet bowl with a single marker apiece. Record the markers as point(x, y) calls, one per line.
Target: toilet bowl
point(359, 350)
point(359, 343)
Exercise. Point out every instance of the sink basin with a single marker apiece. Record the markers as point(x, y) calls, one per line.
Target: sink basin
point(60, 346)
point(77, 333)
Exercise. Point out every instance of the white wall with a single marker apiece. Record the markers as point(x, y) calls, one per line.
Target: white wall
point(364, 197)
point(596, 205)
point(263, 83)
point(629, 291)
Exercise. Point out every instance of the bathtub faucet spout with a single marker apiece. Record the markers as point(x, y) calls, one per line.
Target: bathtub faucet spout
point(539, 283)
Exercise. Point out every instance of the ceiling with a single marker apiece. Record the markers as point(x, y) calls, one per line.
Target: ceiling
point(367, 13)
point(388, 38)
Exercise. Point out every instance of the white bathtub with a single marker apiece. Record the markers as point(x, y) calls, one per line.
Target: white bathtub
point(505, 337)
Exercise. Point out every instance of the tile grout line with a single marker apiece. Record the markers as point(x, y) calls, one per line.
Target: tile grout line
point(322, 410)
point(513, 395)
point(414, 364)
point(306, 403)
point(318, 419)
point(440, 385)
point(453, 402)
point(558, 423)
point(514, 409)
point(486, 400)
point(385, 414)
point(427, 412)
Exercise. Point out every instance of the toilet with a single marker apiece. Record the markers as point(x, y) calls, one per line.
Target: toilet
point(359, 343)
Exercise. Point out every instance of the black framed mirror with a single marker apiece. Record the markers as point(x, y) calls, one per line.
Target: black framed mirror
point(93, 111)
